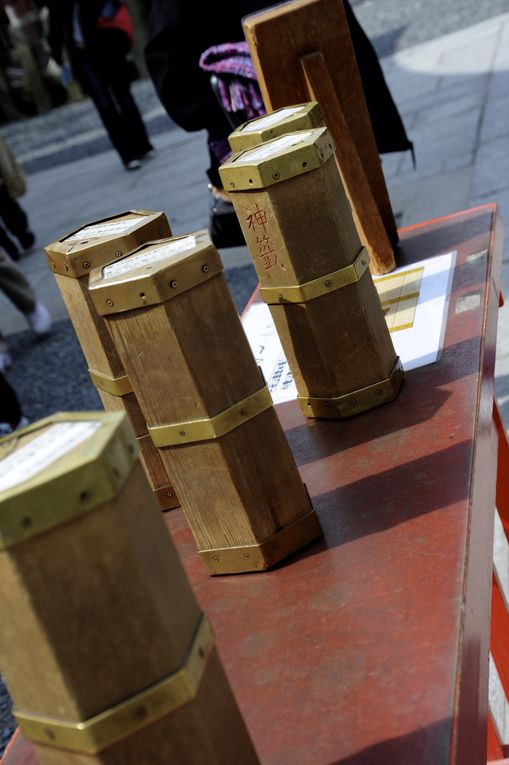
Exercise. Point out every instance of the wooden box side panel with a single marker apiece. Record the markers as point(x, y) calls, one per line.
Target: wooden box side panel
point(188, 358)
point(309, 229)
point(97, 346)
point(279, 38)
point(208, 731)
point(337, 343)
point(90, 328)
point(99, 608)
point(240, 489)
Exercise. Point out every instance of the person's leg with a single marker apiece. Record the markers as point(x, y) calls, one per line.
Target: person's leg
point(10, 411)
point(8, 245)
point(97, 88)
point(15, 218)
point(113, 67)
point(19, 291)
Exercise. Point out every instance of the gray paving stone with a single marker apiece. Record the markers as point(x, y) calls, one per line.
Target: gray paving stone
point(492, 167)
point(431, 197)
point(495, 122)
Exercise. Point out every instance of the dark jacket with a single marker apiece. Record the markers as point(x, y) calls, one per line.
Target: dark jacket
point(180, 30)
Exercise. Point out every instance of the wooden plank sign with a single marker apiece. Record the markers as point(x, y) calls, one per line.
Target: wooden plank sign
point(105, 651)
point(302, 50)
point(314, 273)
point(181, 341)
point(286, 120)
point(71, 259)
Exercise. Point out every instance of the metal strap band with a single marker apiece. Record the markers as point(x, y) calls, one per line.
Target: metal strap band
point(236, 560)
point(116, 386)
point(124, 719)
point(302, 293)
point(356, 401)
point(214, 427)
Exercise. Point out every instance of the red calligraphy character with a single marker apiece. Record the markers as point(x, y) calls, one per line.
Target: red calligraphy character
point(257, 218)
point(266, 251)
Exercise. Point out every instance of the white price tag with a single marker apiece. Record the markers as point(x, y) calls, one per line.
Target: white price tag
point(272, 119)
point(151, 256)
point(113, 228)
point(42, 451)
point(267, 150)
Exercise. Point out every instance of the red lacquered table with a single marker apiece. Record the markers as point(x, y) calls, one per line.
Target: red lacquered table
point(371, 647)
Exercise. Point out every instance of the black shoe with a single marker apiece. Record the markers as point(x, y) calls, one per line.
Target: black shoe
point(224, 226)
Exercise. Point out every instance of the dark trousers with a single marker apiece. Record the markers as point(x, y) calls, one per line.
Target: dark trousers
point(15, 221)
point(102, 72)
point(10, 410)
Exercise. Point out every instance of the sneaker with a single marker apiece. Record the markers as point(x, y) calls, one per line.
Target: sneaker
point(39, 320)
point(133, 164)
point(5, 361)
point(6, 428)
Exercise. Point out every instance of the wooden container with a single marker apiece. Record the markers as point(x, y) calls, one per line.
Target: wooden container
point(314, 273)
point(180, 339)
point(71, 259)
point(286, 120)
point(302, 51)
point(104, 649)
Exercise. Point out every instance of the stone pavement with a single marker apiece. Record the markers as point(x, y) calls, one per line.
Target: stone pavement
point(452, 92)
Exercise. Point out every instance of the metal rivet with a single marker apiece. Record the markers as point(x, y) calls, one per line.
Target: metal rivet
point(26, 522)
point(304, 164)
point(118, 253)
point(142, 295)
point(276, 175)
point(304, 527)
point(280, 296)
point(49, 733)
point(205, 269)
point(109, 303)
point(169, 494)
point(215, 558)
point(85, 264)
point(309, 403)
point(53, 265)
point(66, 268)
point(243, 412)
point(173, 284)
point(140, 712)
point(327, 404)
point(353, 401)
point(328, 283)
point(232, 184)
point(247, 556)
point(161, 232)
point(201, 652)
point(84, 496)
point(130, 449)
point(378, 392)
point(251, 181)
point(322, 154)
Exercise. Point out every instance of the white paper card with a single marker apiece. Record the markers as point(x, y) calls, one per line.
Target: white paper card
point(42, 451)
point(112, 228)
point(272, 119)
point(267, 150)
point(416, 300)
point(149, 257)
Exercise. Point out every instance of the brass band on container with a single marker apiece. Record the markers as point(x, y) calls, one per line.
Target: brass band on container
point(208, 410)
point(105, 651)
point(71, 259)
point(314, 274)
point(288, 119)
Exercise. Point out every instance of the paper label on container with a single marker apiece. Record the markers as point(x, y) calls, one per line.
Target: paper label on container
point(110, 229)
point(149, 257)
point(414, 301)
point(43, 450)
point(267, 150)
point(272, 119)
